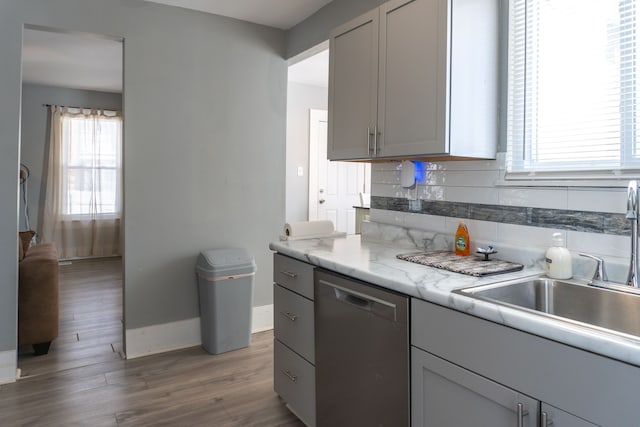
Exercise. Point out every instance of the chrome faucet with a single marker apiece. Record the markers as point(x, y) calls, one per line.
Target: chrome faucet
point(632, 214)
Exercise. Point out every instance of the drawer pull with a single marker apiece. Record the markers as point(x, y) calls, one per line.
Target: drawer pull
point(289, 274)
point(521, 413)
point(292, 377)
point(289, 316)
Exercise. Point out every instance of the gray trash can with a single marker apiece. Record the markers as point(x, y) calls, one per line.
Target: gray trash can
point(225, 289)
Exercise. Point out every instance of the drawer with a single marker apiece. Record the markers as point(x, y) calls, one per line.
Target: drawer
point(293, 274)
point(293, 321)
point(295, 381)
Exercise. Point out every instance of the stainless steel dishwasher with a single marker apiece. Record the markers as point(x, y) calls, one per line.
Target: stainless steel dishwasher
point(362, 354)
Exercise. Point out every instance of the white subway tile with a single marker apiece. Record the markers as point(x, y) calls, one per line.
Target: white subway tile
point(470, 165)
point(432, 192)
point(526, 236)
point(386, 217)
point(598, 244)
point(425, 222)
point(384, 166)
point(612, 200)
point(481, 178)
point(482, 195)
point(385, 177)
point(548, 198)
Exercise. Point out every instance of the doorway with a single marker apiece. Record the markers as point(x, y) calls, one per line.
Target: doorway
point(317, 188)
point(77, 71)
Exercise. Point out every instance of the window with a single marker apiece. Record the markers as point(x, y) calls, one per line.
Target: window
point(572, 89)
point(90, 159)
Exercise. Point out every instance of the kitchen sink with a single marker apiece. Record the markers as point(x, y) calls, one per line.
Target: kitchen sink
point(610, 308)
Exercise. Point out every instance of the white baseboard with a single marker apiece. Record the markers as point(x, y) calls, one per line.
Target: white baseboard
point(164, 337)
point(8, 366)
point(262, 319)
point(182, 334)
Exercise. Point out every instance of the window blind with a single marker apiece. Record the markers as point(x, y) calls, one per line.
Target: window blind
point(572, 88)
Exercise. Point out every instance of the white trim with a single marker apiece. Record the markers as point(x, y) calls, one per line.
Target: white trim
point(155, 339)
point(262, 318)
point(611, 179)
point(315, 117)
point(164, 337)
point(8, 366)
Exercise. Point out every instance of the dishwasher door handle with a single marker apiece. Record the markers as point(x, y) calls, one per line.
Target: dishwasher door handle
point(370, 303)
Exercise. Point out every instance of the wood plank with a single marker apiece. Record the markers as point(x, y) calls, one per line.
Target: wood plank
point(85, 382)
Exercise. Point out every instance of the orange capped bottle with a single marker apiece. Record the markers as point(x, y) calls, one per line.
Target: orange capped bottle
point(461, 243)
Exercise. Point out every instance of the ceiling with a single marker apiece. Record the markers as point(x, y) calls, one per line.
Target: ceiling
point(91, 62)
point(313, 70)
point(282, 14)
point(72, 60)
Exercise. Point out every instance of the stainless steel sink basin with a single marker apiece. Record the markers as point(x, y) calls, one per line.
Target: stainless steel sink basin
point(579, 303)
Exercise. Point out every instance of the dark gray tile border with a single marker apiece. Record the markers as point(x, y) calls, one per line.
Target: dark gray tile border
point(591, 222)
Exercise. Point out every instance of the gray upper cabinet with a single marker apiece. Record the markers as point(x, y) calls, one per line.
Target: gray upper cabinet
point(415, 78)
point(353, 86)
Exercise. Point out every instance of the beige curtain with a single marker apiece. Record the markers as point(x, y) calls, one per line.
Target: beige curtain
point(83, 198)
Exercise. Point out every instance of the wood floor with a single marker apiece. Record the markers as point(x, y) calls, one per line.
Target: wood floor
point(85, 382)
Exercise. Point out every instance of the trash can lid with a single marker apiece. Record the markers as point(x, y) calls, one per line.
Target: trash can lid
point(224, 262)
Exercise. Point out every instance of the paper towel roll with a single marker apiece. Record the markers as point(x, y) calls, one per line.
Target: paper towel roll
point(308, 228)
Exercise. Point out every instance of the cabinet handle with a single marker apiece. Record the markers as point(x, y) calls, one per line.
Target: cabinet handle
point(521, 414)
point(369, 134)
point(545, 421)
point(289, 274)
point(289, 375)
point(289, 316)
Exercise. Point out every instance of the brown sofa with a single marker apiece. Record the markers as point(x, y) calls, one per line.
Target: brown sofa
point(37, 294)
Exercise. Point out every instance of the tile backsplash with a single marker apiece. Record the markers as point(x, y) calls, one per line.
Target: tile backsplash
point(592, 220)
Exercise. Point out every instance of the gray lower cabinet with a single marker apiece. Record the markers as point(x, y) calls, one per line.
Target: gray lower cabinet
point(293, 349)
point(470, 371)
point(444, 394)
point(554, 416)
point(447, 395)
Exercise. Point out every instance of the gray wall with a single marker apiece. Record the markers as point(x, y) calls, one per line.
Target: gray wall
point(300, 98)
point(315, 29)
point(34, 141)
point(204, 146)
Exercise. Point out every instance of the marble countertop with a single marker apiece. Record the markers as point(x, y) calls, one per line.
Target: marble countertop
point(375, 262)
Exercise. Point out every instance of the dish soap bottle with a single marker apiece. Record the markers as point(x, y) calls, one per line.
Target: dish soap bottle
point(461, 242)
point(558, 259)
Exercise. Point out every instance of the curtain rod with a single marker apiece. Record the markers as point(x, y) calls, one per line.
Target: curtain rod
point(68, 106)
point(83, 108)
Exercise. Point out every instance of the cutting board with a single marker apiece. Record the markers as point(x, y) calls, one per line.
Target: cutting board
point(470, 265)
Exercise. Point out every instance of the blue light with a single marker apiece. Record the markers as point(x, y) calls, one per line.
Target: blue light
point(419, 171)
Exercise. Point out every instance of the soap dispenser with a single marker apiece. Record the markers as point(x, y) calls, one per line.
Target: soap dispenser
point(558, 259)
point(461, 244)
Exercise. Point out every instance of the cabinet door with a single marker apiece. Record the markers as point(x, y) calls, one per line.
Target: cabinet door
point(353, 83)
point(412, 97)
point(558, 418)
point(294, 380)
point(444, 394)
point(293, 322)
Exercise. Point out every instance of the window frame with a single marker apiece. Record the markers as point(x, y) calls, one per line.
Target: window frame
point(605, 177)
point(88, 114)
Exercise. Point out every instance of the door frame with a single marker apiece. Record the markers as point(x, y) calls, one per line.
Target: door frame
point(315, 115)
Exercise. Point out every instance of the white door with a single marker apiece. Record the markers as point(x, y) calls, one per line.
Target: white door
point(334, 187)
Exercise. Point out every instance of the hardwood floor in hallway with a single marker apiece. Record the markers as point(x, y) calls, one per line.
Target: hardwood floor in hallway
point(90, 308)
point(89, 384)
